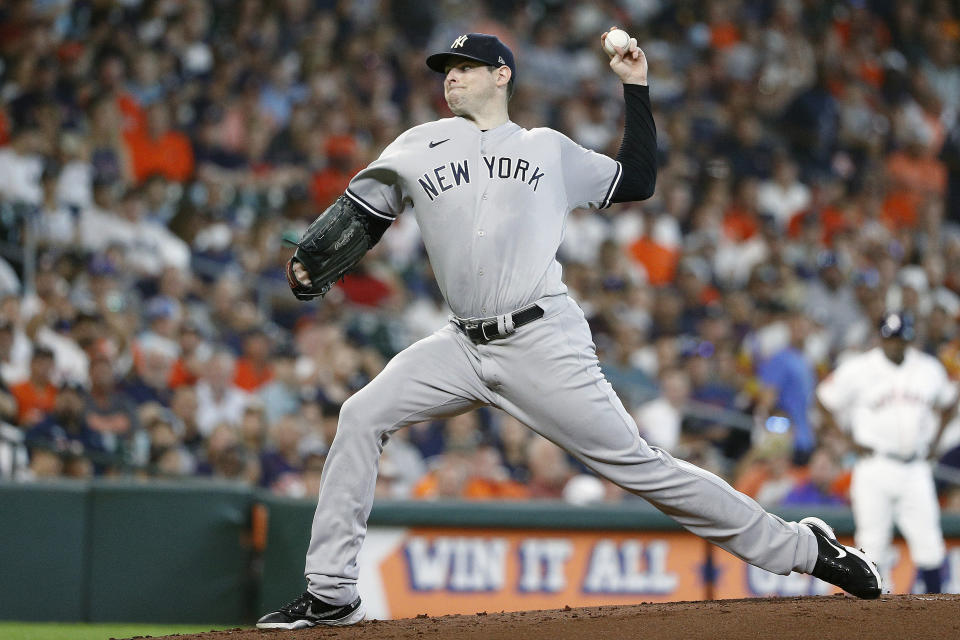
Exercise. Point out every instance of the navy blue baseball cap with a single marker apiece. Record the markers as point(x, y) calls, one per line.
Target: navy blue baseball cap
point(898, 324)
point(481, 47)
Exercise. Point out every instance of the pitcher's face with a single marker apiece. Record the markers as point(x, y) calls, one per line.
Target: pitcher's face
point(469, 86)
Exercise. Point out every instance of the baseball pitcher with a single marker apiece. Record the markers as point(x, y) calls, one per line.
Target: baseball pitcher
point(491, 199)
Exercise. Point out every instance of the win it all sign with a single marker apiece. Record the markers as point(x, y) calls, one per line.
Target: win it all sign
point(406, 572)
point(472, 564)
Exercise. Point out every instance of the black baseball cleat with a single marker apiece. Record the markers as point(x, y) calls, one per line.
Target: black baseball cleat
point(310, 611)
point(843, 566)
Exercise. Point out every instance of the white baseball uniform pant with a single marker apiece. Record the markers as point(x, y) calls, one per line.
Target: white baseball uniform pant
point(547, 375)
point(884, 491)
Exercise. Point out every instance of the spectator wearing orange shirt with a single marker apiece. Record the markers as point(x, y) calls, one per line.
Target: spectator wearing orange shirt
point(186, 368)
point(469, 467)
point(343, 164)
point(4, 129)
point(36, 395)
point(253, 367)
point(158, 148)
point(766, 473)
point(914, 175)
point(724, 32)
point(489, 479)
point(659, 261)
point(447, 478)
point(469, 474)
point(741, 220)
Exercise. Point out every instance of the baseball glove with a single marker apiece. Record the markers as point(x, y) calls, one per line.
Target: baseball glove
point(332, 245)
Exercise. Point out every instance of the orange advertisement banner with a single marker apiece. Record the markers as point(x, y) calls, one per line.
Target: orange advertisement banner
point(408, 572)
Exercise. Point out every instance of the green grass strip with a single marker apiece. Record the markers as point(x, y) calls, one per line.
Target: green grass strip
point(99, 631)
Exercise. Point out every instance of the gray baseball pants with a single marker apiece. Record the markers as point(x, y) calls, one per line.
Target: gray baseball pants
point(547, 375)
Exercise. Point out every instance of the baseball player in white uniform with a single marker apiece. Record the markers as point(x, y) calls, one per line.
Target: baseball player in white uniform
point(491, 198)
point(891, 403)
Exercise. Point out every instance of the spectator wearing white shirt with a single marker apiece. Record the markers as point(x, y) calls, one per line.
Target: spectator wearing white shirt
point(784, 196)
point(9, 280)
point(21, 166)
point(74, 187)
point(57, 223)
point(15, 366)
point(942, 70)
point(218, 399)
point(660, 420)
point(583, 233)
point(164, 316)
point(148, 246)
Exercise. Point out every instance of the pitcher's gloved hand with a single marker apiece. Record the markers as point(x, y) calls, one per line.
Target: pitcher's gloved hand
point(332, 245)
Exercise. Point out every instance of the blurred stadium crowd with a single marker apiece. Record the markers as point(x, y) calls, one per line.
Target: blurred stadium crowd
point(154, 153)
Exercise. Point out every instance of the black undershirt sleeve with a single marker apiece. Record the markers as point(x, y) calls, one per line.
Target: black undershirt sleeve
point(376, 227)
point(638, 151)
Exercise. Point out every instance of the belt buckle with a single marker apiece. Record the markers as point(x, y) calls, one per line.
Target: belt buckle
point(468, 327)
point(483, 331)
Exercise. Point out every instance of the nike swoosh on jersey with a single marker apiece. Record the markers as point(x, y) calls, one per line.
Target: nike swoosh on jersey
point(434, 144)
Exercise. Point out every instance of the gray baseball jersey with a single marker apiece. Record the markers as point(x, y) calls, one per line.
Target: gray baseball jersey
point(491, 208)
point(490, 204)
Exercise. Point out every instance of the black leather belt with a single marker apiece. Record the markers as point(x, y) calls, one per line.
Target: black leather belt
point(483, 331)
point(892, 456)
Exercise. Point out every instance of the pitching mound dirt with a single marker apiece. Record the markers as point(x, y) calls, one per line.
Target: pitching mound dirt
point(820, 618)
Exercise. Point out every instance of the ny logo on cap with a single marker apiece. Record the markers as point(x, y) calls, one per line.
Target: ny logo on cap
point(459, 42)
point(500, 60)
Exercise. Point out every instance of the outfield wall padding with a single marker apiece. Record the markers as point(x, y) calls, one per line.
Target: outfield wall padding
point(106, 550)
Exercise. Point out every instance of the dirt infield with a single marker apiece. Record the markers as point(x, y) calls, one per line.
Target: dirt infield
point(822, 618)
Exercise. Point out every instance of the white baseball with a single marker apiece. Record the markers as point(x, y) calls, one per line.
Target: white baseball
point(616, 38)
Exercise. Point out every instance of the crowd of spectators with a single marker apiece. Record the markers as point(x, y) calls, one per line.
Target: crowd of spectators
point(155, 153)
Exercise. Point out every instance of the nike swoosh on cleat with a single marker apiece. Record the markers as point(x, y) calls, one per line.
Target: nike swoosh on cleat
point(434, 144)
point(841, 552)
